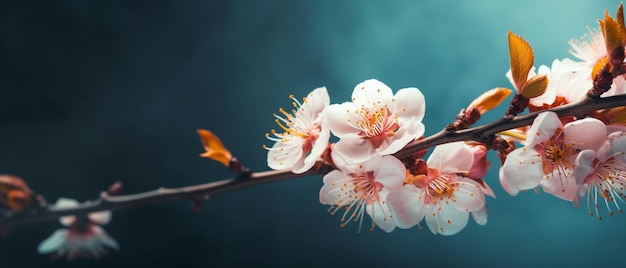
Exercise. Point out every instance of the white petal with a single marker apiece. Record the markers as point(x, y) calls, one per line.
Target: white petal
point(451, 158)
point(66, 203)
point(340, 119)
point(284, 155)
point(587, 133)
point(542, 129)
point(446, 219)
point(104, 238)
point(564, 187)
point(352, 148)
point(57, 240)
point(522, 169)
point(381, 216)
point(410, 103)
point(480, 215)
point(332, 192)
point(468, 196)
point(100, 217)
point(584, 165)
point(372, 94)
point(407, 205)
point(505, 185)
point(615, 146)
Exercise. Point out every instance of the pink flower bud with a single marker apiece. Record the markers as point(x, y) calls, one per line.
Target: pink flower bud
point(481, 164)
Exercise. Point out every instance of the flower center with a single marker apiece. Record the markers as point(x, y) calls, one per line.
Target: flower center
point(361, 190)
point(439, 186)
point(556, 160)
point(608, 182)
point(377, 124)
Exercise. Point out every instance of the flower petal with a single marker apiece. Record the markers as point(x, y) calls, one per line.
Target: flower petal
point(372, 94)
point(522, 169)
point(407, 205)
point(381, 216)
point(410, 103)
point(409, 130)
point(468, 195)
point(445, 219)
point(480, 215)
point(352, 148)
point(390, 172)
point(542, 129)
point(451, 158)
point(285, 153)
point(319, 147)
point(587, 133)
point(57, 240)
point(336, 184)
point(615, 146)
point(340, 119)
point(584, 165)
point(100, 217)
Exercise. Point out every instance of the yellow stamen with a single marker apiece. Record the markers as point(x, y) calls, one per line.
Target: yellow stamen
point(513, 134)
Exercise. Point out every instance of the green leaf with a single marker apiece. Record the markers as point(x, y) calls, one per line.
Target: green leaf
point(535, 86)
point(522, 59)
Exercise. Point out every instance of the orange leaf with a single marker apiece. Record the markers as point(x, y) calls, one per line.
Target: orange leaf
point(490, 99)
point(598, 66)
point(522, 59)
point(535, 86)
point(214, 148)
point(613, 31)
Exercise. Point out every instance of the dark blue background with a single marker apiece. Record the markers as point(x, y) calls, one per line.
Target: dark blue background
point(97, 91)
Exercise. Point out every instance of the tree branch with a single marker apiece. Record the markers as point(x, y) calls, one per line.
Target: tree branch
point(204, 191)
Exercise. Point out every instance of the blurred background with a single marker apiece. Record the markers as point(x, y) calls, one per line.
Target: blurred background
point(98, 91)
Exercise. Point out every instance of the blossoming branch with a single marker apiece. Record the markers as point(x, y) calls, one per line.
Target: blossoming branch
point(563, 132)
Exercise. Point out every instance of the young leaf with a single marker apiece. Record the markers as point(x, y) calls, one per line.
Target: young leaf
point(613, 34)
point(522, 58)
point(214, 148)
point(535, 86)
point(489, 99)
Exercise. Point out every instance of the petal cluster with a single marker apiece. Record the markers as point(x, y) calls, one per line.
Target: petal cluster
point(83, 237)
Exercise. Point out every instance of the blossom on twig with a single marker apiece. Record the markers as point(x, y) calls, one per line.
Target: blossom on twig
point(84, 238)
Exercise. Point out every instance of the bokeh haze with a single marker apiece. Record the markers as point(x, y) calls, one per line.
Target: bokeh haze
point(98, 91)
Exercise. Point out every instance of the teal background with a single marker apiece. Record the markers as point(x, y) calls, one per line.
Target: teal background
point(97, 91)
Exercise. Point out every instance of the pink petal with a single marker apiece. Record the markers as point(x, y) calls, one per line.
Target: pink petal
point(451, 158)
point(390, 172)
point(100, 217)
point(410, 103)
point(587, 133)
point(408, 131)
point(522, 169)
point(317, 100)
point(319, 147)
point(542, 129)
point(564, 188)
point(407, 205)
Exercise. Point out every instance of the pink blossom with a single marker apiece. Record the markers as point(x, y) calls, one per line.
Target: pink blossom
point(363, 187)
point(547, 159)
point(304, 138)
point(444, 197)
point(603, 174)
point(84, 238)
point(376, 121)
